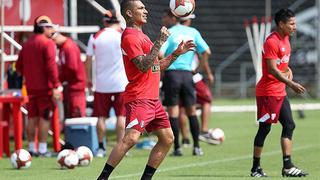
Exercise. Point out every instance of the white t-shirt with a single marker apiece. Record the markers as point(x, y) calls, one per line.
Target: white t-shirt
point(195, 63)
point(110, 72)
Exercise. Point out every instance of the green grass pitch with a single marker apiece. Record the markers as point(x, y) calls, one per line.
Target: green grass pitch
point(231, 160)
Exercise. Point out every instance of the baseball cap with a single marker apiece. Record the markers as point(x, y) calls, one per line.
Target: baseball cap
point(44, 21)
point(110, 16)
point(191, 16)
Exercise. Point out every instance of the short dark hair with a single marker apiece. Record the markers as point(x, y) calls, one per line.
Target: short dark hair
point(124, 6)
point(39, 29)
point(169, 13)
point(283, 15)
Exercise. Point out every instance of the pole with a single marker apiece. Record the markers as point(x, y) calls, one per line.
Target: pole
point(2, 45)
point(318, 50)
point(73, 17)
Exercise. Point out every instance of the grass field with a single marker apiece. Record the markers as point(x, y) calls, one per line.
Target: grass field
point(231, 160)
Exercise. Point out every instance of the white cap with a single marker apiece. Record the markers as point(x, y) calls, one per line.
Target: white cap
point(191, 16)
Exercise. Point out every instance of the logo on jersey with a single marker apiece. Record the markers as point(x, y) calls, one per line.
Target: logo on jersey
point(284, 59)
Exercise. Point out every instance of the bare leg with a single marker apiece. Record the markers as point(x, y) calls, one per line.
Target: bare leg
point(286, 145)
point(257, 151)
point(120, 127)
point(205, 116)
point(159, 151)
point(44, 125)
point(101, 129)
point(130, 138)
point(31, 128)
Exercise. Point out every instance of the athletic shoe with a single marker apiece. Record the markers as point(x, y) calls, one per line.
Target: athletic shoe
point(205, 137)
point(293, 172)
point(258, 172)
point(197, 151)
point(176, 152)
point(186, 143)
point(101, 153)
point(46, 154)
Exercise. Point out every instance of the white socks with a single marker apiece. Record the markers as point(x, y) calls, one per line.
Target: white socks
point(42, 148)
point(32, 147)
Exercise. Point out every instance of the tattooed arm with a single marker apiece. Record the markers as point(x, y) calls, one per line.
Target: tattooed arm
point(143, 63)
point(181, 49)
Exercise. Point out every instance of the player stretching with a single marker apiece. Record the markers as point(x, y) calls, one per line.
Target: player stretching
point(272, 102)
point(143, 107)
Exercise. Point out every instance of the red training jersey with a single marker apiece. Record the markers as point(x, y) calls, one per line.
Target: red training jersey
point(141, 85)
point(37, 63)
point(277, 49)
point(71, 67)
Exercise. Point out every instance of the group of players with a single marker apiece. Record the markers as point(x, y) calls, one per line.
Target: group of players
point(131, 85)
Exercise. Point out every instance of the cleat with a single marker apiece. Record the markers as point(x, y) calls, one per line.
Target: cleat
point(206, 137)
point(293, 172)
point(46, 154)
point(197, 151)
point(258, 172)
point(177, 152)
point(101, 153)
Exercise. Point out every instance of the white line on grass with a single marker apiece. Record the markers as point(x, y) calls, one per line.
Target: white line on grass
point(271, 153)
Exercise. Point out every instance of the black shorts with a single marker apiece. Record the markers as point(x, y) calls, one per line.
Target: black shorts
point(178, 88)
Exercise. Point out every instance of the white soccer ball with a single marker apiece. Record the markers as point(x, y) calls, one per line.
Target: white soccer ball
point(21, 159)
point(182, 8)
point(217, 134)
point(68, 158)
point(85, 155)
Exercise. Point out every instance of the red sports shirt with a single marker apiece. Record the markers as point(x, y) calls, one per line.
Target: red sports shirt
point(72, 69)
point(275, 48)
point(141, 85)
point(37, 63)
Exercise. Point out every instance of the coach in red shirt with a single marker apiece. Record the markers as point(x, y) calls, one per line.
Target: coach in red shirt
point(272, 103)
point(36, 62)
point(72, 75)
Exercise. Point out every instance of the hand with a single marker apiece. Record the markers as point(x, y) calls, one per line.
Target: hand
point(298, 88)
point(288, 73)
point(164, 34)
point(210, 78)
point(184, 47)
point(57, 93)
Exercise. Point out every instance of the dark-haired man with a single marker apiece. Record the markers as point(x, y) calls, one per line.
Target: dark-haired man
point(143, 107)
point(272, 102)
point(36, 62)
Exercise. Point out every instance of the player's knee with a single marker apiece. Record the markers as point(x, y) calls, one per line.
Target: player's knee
point(287, 131)
point(130, 141)
point(262, 133)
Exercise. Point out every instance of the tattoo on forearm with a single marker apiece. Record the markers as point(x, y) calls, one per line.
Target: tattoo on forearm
point(143, 63)
point(167, 61)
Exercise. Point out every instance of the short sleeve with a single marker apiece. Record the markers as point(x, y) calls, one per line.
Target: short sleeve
point(201, 45)
point(270, 50)
point(90, 51)
point(131, 47)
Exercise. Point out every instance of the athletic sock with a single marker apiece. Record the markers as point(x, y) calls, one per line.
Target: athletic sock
point(101, 145)
point(32, 147)
point(148, 173)
point(287, 162)
point(175, 128)
point(42, 147)
point(194, 128)
point(107, 170)
point(256, 163)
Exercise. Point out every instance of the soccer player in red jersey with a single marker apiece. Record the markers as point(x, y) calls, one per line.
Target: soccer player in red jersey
point(36, 62)
point(143, 107)
point(272, 102)
point(72, 75)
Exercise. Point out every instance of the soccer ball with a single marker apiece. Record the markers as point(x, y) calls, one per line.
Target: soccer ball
point(85, 155)
point(182, 8)
point(21, 159)
point(68, 158)
point(217, 134)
